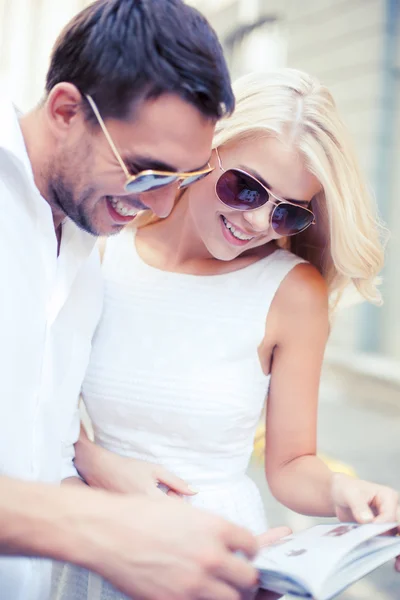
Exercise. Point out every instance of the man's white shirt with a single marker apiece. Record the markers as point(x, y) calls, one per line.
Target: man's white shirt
point(49, 309)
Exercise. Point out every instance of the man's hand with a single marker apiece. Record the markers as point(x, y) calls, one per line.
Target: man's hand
point(131, 476)
point(108, 471)
point(151, 549)
point(272, 535)
point(266, 539)
point(260, 595)
point(265, 595)
point(147, 548)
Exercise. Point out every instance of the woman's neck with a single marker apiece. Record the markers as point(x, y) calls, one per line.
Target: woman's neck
point(173, 243)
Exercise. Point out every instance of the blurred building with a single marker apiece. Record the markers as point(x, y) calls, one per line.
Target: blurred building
point(28, 29)
point(353, 46)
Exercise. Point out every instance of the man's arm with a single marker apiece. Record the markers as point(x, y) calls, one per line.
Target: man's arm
point(30, 522)
point(143, 546)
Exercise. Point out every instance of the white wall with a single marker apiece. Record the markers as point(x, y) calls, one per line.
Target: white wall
point(28, 29)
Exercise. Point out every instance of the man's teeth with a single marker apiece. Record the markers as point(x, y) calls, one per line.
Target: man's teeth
point(121, 208)
point(235, 232)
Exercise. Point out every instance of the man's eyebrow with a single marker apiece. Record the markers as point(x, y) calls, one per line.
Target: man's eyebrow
point(142, 163)
point(262, 180)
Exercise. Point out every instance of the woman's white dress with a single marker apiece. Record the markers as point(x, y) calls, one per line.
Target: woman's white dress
point(175, 379)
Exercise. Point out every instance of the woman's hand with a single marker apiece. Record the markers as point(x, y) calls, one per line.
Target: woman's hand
point(363, 501)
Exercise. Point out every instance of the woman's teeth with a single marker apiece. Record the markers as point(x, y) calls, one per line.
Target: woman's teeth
point(121, 208)
point(236, 232)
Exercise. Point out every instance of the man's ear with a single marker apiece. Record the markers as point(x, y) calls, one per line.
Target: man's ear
point(63, 108)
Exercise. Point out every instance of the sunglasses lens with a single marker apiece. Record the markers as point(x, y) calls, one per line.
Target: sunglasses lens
point(288, 219)
point(189, 180)
point(148, 182)
point(240, 191)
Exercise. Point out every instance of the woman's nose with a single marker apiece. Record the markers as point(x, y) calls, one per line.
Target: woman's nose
point(259, 219)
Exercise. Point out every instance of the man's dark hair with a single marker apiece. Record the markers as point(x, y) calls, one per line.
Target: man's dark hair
point(125, 51)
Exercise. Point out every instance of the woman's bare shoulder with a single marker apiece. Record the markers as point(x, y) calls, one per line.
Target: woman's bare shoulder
point(303, 289)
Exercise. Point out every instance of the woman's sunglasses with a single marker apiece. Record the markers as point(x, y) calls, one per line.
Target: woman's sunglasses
point(147, 180)
point(240, 191)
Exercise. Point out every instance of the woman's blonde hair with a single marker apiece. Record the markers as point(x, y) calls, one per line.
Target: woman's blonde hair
point(345, 245)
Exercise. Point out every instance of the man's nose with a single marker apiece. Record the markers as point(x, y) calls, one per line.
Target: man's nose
point(161, 201)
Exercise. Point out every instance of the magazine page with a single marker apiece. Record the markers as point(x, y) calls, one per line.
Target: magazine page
point(359, 562)
point(311, 556)
point(371, 546)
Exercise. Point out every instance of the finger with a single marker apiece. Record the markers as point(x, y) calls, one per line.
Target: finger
point(175, 483)
point(266, 595)
point(273, 535)
point(220, 591)
point(397, 564)
point(238, 572)
point(173, 494)
point(156, 493)
point(249, 594)
point(360, 508)
point(398, 519)
point(239, 539)
point(261, 595)
point(387, 503)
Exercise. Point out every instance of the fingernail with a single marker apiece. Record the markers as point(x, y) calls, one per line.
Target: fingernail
point(193, 490)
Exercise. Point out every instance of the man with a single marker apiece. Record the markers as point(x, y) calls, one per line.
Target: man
point(153, 69)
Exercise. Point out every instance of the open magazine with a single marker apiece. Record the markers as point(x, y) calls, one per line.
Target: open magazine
point(322, 561)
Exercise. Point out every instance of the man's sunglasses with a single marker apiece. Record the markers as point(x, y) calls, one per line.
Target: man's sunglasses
point(148, 180)
point(240, 191)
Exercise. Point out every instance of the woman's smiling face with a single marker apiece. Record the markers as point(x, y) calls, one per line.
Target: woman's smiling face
point(227, 232)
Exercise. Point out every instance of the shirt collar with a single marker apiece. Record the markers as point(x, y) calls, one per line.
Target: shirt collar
point(11, 138)
point(12, 141)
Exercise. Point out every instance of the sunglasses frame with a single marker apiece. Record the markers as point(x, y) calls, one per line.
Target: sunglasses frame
point(180, 176)
point(275, 201)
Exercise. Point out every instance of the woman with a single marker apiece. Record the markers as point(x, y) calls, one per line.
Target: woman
point(227, 301)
